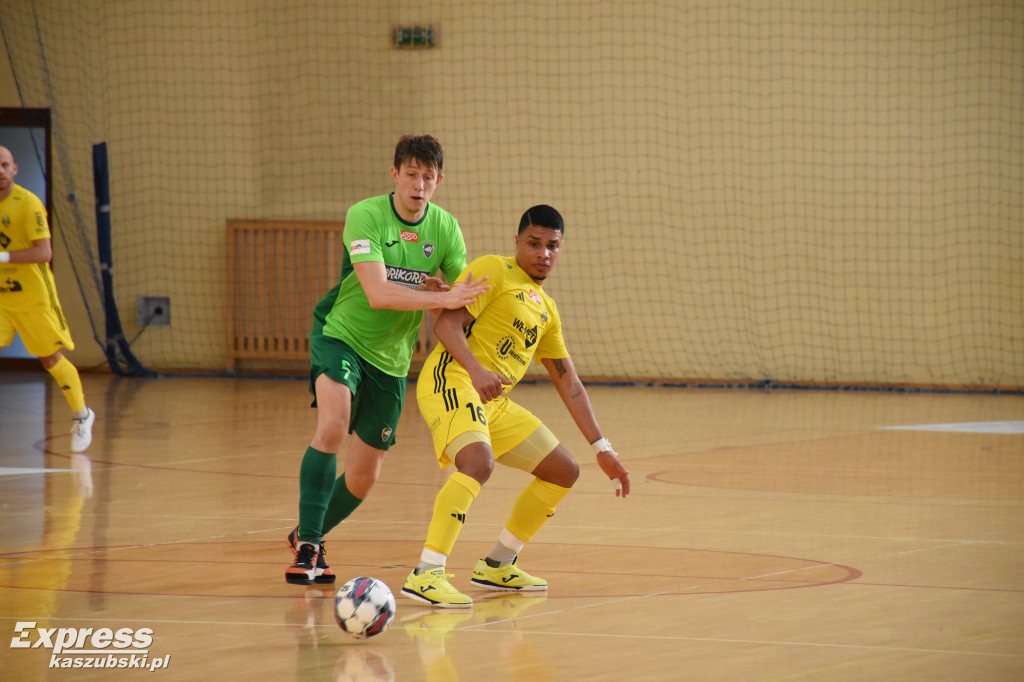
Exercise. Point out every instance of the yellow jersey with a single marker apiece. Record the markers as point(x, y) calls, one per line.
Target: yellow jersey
point(24, 286)
point(516, 322)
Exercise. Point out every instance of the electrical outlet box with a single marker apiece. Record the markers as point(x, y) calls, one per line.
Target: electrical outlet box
point(153, 311)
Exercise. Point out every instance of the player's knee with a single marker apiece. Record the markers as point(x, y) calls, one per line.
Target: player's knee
point(360, 483)
point(328, 438)
point(475, 462)
point(50, 361)
point(559, 468)
point(565, 473)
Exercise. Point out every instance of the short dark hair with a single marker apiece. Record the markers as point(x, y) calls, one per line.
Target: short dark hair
point(542, 215)
point(426, 149)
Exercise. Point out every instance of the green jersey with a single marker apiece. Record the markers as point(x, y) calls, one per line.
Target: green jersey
point(409, 252)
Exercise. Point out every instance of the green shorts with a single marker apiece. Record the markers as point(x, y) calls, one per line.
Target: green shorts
point(377, 397)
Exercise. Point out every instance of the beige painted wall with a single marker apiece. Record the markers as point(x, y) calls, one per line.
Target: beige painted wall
point(789, 193)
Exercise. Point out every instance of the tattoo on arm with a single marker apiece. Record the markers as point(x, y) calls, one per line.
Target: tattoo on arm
point(576, 386)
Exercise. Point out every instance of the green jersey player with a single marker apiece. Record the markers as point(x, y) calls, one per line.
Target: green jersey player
point(363, 334)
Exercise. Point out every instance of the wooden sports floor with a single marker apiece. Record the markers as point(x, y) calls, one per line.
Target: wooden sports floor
point(790, 535)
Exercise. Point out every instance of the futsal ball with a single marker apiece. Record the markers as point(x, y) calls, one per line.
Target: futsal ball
point(364, 607)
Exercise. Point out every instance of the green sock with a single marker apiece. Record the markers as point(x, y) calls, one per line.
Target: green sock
point(342, 504)
point(316, 481)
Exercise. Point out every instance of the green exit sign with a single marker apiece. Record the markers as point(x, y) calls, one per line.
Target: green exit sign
point(414, 36)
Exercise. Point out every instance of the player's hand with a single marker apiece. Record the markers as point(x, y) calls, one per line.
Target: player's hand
point(614, 470)
point(430, 283)
point(465, 292)
point(489, 385)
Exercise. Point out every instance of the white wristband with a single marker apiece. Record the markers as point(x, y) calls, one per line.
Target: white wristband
point(5, 257)
point(600, 445)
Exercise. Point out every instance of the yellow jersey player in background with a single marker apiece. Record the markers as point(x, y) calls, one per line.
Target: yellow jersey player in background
point(485, 349)
point(28, 295)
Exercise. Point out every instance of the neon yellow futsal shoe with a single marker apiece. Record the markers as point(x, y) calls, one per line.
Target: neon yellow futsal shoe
point(432, 587)
point(507, 578)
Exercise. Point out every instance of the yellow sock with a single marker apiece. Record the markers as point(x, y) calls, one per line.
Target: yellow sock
point(450, 507)
point(533, 508)
point(70, 383)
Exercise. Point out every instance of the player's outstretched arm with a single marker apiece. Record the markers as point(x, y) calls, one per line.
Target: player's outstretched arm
point(41, 251)
point(574, 395)
point(450, 331)
point(384, 294)
point(439, 284)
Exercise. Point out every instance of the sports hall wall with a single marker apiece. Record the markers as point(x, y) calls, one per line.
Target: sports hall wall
point(792, 191)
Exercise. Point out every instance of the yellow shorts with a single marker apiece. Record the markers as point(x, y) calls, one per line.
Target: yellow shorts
point(43, 330)
point(456, 418)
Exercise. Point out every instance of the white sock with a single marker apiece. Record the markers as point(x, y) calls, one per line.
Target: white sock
point(429, 560)
point(505, 549)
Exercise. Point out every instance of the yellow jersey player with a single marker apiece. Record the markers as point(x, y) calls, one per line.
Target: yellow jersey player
point(28, 295)
point(485, 349)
